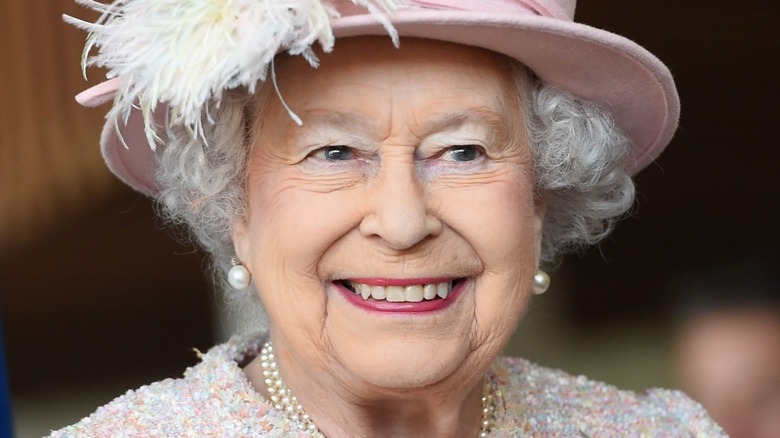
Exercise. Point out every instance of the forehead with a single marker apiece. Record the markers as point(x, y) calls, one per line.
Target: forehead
point(369, 53)
point(367, 73)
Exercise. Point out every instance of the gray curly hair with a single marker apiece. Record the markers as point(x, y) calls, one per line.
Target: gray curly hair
point(579, 159)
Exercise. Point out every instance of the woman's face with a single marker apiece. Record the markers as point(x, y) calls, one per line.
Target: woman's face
point(410, 179)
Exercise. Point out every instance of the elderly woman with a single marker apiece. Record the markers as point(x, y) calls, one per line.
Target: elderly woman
point(389, 208)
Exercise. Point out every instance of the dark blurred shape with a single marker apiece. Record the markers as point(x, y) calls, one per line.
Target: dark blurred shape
point(107, 296)
point(728, 345)
point(6, 424)
point(713, 192)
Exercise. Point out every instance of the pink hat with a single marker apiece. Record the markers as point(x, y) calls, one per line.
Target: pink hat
point(590, 63)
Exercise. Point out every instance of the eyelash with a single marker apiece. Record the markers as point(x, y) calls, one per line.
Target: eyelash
point(335, 159)
point(453, 158)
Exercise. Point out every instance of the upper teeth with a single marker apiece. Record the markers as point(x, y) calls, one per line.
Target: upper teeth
point(400, 294)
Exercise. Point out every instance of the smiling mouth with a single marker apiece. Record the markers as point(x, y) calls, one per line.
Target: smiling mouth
point(414, 293)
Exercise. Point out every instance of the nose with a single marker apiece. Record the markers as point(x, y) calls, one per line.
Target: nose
point(400, 212)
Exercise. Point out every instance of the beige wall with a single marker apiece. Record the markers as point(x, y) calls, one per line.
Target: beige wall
point(49, 160)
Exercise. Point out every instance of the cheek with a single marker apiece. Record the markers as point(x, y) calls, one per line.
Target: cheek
point(508, 242)
point(497, 219)
point(296, 224)
point(291, 229)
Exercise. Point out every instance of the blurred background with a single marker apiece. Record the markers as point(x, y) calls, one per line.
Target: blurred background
point(98, 296)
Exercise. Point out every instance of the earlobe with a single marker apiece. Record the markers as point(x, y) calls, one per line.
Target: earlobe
point(540, 212)
point(239, 233)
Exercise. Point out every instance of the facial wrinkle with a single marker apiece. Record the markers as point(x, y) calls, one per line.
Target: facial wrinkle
point(481, 117)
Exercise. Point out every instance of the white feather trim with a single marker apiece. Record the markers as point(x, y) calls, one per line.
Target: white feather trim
point(185, 53)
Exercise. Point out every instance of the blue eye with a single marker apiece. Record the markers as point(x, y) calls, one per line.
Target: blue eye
point(464, 153)
point(337, 153)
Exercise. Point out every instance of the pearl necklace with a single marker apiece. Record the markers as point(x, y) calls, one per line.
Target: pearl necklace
point(284, 400)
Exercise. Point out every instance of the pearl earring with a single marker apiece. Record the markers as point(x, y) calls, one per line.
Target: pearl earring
point(238, 275)
point(541, 282)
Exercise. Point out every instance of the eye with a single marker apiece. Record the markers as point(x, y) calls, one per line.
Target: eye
point(335, 153)
point(464, 153)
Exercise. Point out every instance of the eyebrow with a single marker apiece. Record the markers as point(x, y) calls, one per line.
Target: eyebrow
point(352, 121)
point(477, 115)
point(338, 119)
point(316, 119)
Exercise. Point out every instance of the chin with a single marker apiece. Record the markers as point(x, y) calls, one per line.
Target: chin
point(404, 350)
point(404, 363)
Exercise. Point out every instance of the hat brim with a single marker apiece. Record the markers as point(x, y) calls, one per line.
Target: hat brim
point(590, 63)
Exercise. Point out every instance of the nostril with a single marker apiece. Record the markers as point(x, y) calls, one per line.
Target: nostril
point(399, 212)
point(401, 230)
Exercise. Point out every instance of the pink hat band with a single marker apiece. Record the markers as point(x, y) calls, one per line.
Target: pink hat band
point(560, 10)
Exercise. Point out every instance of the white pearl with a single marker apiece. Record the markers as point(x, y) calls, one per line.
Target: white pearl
point(238, 277)
point(541, 283)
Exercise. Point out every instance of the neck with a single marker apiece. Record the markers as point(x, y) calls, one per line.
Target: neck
point(340, 407)
point(423, 415)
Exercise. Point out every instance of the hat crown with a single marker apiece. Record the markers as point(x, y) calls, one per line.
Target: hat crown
point(559, 9)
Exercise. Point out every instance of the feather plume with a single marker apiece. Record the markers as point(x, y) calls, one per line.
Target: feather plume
point(185, 53)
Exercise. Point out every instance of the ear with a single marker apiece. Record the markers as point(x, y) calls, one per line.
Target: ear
point(540, 212)
point(239, 233)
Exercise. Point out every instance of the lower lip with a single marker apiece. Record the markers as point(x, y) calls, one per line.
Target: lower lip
point(382, 306)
